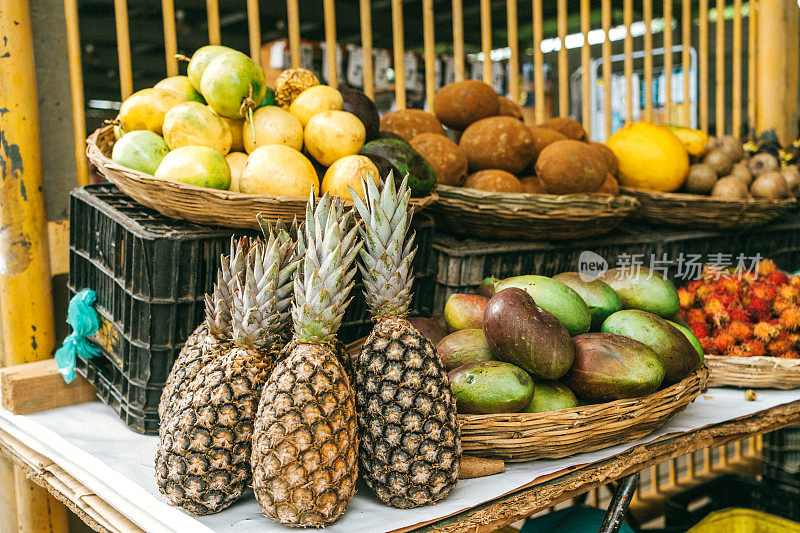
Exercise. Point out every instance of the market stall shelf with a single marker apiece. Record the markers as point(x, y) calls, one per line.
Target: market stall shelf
point(201, 205)
point(753, 372)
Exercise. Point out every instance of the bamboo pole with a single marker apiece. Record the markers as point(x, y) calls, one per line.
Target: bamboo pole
point(627, 15)
point(752, 71)
point(429, 51)
point(458, 40)
point(329, 12)
point(513, 44)
point(586, 58)
point(719, 69)
point(686, 61)
point(293, 23)
point(606, 22)
point(648, 60)
point(702, 71)
point(538, 64)
point(37, 510)
point(170, 38)
point(365, 10)
point(667, 6)
point(8, 497)
point(399, 52)
point(563, 61)
point(486, 40)
point(123, 48)
point(736, 77)
point(76, 90)
point(212, 18)
point(254, 30)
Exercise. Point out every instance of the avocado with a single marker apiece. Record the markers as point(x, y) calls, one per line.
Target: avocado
point(601, 299)
point(643, 289)
point(359, 104)
point(407, 161)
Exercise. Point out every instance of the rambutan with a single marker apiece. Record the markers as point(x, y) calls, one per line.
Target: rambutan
point(790, 318)
point(759, 309)
point(715, 310)
point(724, 341)
point(794, 281)
point(730, 285)
point(740, 331)
point(790, 292)
point(693, 285)
point(790, 354)
point(765, 331)
point(780, 305)
point(778, 346)
point(703, 292)
point(777, 278)
point(764, 291)
point(766, 267)
point(737, 350)
point(695, 316)
point(700, 329)
point(738, 314)
point(707, 343)
point(686, 298)
point(755, 348)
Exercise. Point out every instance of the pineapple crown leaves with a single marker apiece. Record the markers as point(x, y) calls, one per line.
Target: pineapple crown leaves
point(388, 250)
point(220, 302)
point(329, 247)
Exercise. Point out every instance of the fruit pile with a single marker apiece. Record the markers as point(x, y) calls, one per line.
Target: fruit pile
point(745, 316)
point(533, 344)
point(495, 151)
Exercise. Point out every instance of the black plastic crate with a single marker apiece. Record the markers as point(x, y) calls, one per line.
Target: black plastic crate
point(688, 507)
point(780, 457)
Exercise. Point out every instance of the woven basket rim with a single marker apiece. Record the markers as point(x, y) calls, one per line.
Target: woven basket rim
point(699, 198)
point(584, 200)
point(761, 372)
point(757, 361)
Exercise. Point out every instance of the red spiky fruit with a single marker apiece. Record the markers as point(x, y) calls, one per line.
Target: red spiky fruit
point(702, 293)
point(790, 292)
point(777, 278)
point(766, 267)
point(695, 316)
point(716, 311)
point(755, 348)
point(738, 314)
point(778, 346)
point(724, 341)
point(686, 298)
point(790, 318)
point(730, 285)
point(700, 329)
point(707, 343)
point(764, 291)
point(765, 331)
point(780, 305)
point(790, 354)
point(740, 331)
point(759, 309)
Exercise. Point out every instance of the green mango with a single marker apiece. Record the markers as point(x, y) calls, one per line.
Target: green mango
point(644, 290)
point(556, 298)
point(677, 354)
point(550, 396)
point(691, 336)
point(602, 300)
point(486, 387)
point(462, 347)
point(464, 311)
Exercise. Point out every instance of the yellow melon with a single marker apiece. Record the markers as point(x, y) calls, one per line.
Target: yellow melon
point(649, 157)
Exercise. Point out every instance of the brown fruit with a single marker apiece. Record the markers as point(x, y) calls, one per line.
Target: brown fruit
point(610, 185)
point(701, 179)
point(608, 155)
point(769, 184)
point(497, 143)
point(762, 162)
point(532, 185)
point(730, 188)
point(718, 161)
point(408, 123)
point(741, 171)
point(542, 137)
point(731, 147)
point(461, 103)
point(508, 108)
point(493, 180)
point(445, 156)
point(791, 174)
point(570, 167)
point(571, 129)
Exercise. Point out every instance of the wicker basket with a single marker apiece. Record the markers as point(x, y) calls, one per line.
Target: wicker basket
point(707, 212)
point(210, 207)
point(753, 372)
point(482, 214)
point(527, 436)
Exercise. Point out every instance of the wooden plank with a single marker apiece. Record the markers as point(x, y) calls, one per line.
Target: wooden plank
point(58, 237)
point(38, 386)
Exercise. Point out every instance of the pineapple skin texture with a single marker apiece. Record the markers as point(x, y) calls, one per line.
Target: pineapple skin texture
point(202, 462)
point(305, 440)
point(410, 443)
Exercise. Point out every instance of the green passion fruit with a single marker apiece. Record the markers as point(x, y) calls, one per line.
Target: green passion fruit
point(232, 84)
point(145, 109)
point(181, 85)
point(140, 150)
point(196, 165)
point(200, 60)
point(195, 124)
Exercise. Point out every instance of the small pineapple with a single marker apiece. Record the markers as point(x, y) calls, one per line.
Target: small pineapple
point(305, 439)
point(410, 445)
point(202, 462)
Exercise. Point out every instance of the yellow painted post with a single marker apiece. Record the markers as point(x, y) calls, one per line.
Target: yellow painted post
point(26, 305)
point(720, 69)
point(686, 62)
point(668, 61)
point(329, 12)
point(648, 60)
point(752, 71)
point(538, 63)
point(212, 18)
point(254, 30)
point(702, 71)
point(293, 21)
point(430, 52)
point(76, 90)
point(123, 48)
point(606, 22)
point(365, 10)
point(627, 16)
point(458, 40)
point(486, 39)
point(513, 44)
point(398, 43)
point(736, 77)
point(586, 58)
point(777, 79)
point(170, 37)
point(563, 60)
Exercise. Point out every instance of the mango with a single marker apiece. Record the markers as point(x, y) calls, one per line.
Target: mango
point(644, 289)
point(611, 367)
point(462, 347)
point(554, 297)
point(486, 387)
point(677, 354)
point(486, 288)
point(464, 311)
point(521, 333)
point(601, 299)
point(689, 335)
point(550, 396)
point(429, 328)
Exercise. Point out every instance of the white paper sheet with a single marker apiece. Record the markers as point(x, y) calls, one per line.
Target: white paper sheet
point(90, 443)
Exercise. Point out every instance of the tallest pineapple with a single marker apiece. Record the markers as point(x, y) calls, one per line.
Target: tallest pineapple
point(410, 446)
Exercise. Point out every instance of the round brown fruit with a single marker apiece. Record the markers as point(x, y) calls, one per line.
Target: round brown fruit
point(731, 147)
point(446, 157)
point(461, 103)
point(791, 174)
point(544, 136)
point(719, 162)
point(498, 143)
point(762, 162)
point(532, 185)
point(701, 179)
point(769, 184)
point(508, 108)
point(608, 155)
point(570, 166)
point(742, 172)
point(494, 181)
point(408, 123)
point(610, 185)
point(571, 129)
point(729, 188)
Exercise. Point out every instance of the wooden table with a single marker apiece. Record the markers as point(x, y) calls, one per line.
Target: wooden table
point(543, 493)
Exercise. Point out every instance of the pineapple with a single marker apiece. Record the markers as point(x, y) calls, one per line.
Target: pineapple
point(202, 462)
point(410, 445)
point(305, 439)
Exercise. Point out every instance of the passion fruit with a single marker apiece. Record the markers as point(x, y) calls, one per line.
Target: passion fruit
point(314, 101)
point(729, 188)
point(232, 84)
point(140, 150)
point(237, 161)
point(333, 134)
point(145, 109)
point(236, 126)
point(272, 125)
point(196, 165)
point(181, 85)
point(701, 179)
point(762, 162)
point(195, 124)
point(278, 170)
point(347, 173)
point(200, 60)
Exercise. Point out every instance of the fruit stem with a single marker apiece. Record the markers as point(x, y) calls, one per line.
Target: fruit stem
point(181, 57)
point(247, 107)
